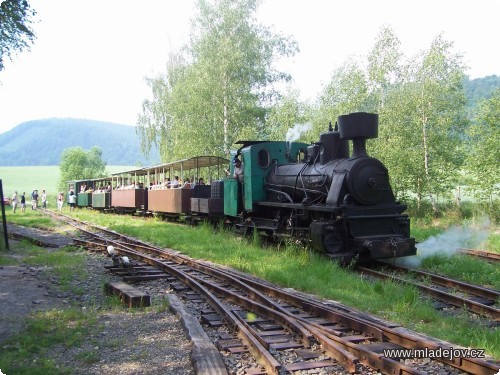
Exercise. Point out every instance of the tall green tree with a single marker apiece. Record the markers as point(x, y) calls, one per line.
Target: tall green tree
point(421, 107)
point(482, 161)
point(227, 86)
point(346, 92)
point(78, 164)
point(16, 33)
point(156, 122)
point(384, 66)
point(439, 117)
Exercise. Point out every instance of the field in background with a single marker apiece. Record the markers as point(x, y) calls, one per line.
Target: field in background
point(40, 177)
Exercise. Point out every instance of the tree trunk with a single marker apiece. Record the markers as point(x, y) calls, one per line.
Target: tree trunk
point(419, 194)
point(226, 127)
point(458, 197)
point(426, 164)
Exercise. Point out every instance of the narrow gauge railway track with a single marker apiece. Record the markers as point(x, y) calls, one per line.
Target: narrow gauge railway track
point(479, 300)
point(283, 322)
point(482, 254)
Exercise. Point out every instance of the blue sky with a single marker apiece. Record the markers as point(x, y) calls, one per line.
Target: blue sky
point(91, 57)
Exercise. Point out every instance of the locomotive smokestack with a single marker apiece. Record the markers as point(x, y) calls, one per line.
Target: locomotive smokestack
point(359, 127)
point(358, 147)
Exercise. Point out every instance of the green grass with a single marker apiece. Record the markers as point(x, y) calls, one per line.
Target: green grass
point(29, 218)
point(296, 267)
point(493, 242)
point(64, 264)
point(465, 268)
point(24, 353)
point(40, 177)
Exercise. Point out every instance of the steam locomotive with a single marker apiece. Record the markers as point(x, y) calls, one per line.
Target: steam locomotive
point(340, 203)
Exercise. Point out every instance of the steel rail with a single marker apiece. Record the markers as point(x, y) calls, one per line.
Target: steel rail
point(476, 290)
point(476, 366)
point(272, 310)
point(473, 306)
point(261, 353)
point(348, 354)
point(483, 254)
point(404, 339)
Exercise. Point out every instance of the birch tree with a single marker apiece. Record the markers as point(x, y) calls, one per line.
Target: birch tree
point(427, 119)
point(228, 85)
point(156, 122)
point(482, 161)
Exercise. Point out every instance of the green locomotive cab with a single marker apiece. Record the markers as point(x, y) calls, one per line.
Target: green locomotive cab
point(259, 158)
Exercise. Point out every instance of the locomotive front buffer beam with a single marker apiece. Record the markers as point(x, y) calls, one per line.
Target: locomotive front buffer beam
point(333, 240)
point(389, 248)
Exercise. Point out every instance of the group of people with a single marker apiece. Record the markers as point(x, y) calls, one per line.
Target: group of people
point(21, 200)
point(167, 184)
point(176, 183)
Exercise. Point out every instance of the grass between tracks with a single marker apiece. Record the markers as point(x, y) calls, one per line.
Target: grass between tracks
point(58, 329)
point(296, 267)
point(44, 330)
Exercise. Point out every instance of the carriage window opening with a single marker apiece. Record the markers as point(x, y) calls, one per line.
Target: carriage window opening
point(264, 158)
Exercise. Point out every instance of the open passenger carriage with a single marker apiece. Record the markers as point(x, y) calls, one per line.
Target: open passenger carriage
point(183, 187)
point(101, 194)
point(129, 191)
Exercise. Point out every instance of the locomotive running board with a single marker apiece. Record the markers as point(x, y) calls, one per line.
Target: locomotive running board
point(296, 206)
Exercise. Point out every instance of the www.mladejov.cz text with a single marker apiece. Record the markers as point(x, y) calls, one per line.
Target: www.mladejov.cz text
point(445, 353)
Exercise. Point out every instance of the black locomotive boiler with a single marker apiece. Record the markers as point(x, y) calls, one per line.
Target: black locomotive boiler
point(340, 202)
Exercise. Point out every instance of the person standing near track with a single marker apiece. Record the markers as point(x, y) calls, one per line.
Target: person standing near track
point(44, 200)
point(60, 201)
point(72, 200)
point(23, 202)
point(14, 202)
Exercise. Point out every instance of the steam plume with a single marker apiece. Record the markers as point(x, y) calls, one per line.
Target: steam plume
point(294, 133)
point(448, 242)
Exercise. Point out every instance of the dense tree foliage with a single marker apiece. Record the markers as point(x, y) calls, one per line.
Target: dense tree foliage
point(222, 87)
point(156, 122)
point(289, 113)
point(479, 89)
point(78, 164)
point(16, 34)
point(430, 120)
point(421, 105)
point(484, 154)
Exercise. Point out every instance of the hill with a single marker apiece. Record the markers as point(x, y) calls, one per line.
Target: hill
point(480, 88)
point(41, 142)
